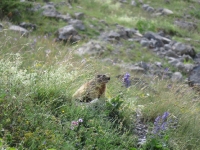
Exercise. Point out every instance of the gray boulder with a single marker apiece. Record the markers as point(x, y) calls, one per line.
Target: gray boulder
point(19, 29)
point(114, 35)
point(68, 33)
point(150, 9)
point(183, 49)
point(186, 25)
point(66, 17)
point(126, 33)
point(144, 42)
point(133, 3)
point(177, 77)
point(194, 76)
point(1, 26)
point(49, 11)
point(145, 6)
point(154, 36)
point(79, 15)
point(78, 24)
point(92, 48)
point(171, 54)
point(28, 25)
point(167, 12)
point(185, 68)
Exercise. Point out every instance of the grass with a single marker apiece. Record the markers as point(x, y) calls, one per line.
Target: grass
point(38, 77)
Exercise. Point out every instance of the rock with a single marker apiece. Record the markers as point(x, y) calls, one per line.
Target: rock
point(166, 12)
point(1, 26)
point(78, 24)
point(93, 48)
point(19, 29)
point(145, 6)
point(154, 36)
point(145, 42)
point(173, 61)
point(79, 15)
point(126, 33)
point(49, 11)
point(114, 35)
point(171, 54)
point(197, 58)
point(186, 25)
point(186, 58)
point(28, 25)
point(159, 64)
point(133, 68)
point(66, 17)
point(133, 3)
point(143, 65)
point(167, 46)
point(183, 49)
point(177, 77)
point(140, 1)
point(188, 67)
point(194, 76)
point(150, 9)
point(185, 68)
point(68, 33)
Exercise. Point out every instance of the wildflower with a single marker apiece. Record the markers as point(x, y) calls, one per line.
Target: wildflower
point(160, 123)
point(126, 80)
point(166, 69)
point(165, 115)
point(80, 120)
point(163, 126)
point(63, 111)
point(75, 123)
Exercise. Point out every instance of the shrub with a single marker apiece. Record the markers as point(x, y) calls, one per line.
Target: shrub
point(13, 9)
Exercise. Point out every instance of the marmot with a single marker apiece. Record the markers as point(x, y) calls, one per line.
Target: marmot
point(92, 89)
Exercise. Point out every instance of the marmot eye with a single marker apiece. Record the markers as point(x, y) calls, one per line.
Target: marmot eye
point(98, 76)
point(104, 76)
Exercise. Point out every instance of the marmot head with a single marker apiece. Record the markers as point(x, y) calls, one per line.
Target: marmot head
point(102, 78)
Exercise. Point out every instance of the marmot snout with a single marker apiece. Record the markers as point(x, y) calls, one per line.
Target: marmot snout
point(92, 89)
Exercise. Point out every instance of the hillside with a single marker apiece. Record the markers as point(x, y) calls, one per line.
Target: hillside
point(149, 49)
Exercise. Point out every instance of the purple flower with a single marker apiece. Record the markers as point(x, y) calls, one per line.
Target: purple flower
point(160, 123)
point(163, 126)
point(157, 120)
point(80, 120)
point(165, 115)
point(126, 80)
point(75, 123)
point(166, 69)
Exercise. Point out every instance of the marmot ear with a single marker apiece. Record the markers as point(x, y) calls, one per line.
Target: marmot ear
point(98, 76)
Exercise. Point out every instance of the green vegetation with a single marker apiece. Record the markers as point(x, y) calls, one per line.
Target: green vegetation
point(14, 10)
point(38, 77)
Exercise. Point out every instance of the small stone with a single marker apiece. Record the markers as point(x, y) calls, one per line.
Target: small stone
point(177, 77)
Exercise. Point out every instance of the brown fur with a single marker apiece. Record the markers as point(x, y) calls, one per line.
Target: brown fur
point(92, 89)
